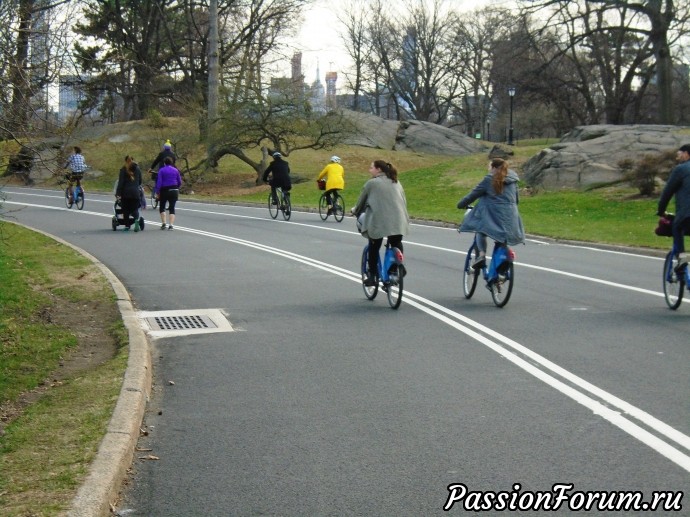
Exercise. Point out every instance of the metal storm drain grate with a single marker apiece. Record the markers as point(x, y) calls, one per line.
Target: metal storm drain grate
point(184, 323)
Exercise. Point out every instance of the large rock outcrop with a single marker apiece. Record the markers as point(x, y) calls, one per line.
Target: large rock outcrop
point(411, 135)
point(589, 155)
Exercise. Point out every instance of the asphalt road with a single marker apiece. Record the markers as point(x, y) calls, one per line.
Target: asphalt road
point(320, 402)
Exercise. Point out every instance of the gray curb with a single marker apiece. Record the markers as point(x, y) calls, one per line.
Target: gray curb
point(108, 470)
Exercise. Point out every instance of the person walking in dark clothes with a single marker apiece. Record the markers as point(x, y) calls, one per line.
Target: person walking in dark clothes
point(127, 191)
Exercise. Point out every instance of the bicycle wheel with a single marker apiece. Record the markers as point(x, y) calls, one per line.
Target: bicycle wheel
point(154, 201)
point(323, 207)
point(502, 287)
point(369, 290)
point(68, 201)
point(338, 207)
point(394, 289)
point(80, 200)
point(272, 208)
point(470, 275)
point(674, 284)
point(286, 206)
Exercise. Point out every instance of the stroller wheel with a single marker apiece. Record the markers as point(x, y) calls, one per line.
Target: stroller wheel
point(141, 224)
point(114, 223)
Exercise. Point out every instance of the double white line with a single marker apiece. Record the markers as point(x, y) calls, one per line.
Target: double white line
point(600, 402)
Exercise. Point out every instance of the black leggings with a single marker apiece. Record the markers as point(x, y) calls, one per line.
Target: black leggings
point(168, 195)
point(130, 207)
point(375, 245)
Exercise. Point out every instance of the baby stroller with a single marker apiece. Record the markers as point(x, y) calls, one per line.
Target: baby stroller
point(119, 219)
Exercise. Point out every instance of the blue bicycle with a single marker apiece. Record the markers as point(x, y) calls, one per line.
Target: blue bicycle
point(675, 279)
point(74, 195)
point(499, 275)
point(390, 275)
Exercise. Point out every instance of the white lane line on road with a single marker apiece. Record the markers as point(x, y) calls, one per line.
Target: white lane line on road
point(407, 243)
point(444, 314)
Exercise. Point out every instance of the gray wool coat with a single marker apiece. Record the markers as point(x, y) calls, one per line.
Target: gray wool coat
point(678, 184)
point(385, 207)
point(496, 215)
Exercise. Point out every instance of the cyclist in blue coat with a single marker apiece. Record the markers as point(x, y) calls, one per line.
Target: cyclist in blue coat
point(496, 215)
point(678, 185)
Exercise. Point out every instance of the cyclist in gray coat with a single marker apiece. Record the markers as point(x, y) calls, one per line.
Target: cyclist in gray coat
point(496, 215)
point(384, 207)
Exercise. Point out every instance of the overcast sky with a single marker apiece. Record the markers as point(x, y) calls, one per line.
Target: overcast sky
point(319, 38)
point(319, 41)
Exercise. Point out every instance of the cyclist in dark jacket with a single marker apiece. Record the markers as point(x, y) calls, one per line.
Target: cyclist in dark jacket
point(167, 151)
point(678, 185)
point(279, 170)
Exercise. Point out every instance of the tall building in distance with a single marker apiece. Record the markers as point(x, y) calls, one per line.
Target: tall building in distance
point(317, 95)
point(297, 76)
point(331, 91)
point(69, 95)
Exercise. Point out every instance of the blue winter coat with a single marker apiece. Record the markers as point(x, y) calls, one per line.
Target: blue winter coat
point(496, 215)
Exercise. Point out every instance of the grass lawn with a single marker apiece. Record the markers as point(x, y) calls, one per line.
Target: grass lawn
point(62, 361)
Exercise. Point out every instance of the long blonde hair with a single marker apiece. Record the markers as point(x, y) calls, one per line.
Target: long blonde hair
point(499, 169)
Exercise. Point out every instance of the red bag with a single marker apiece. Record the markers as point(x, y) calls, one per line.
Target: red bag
point(664, 228)
point(321, 184)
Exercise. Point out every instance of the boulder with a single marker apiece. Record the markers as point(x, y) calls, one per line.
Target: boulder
point(429, 138)
point(410, 135)
point(589, 155)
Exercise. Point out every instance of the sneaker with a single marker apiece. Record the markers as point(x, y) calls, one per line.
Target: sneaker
point(682, 262)
point(170, 227)
point(370, 281)
point(163, 226)
point(136, 226)
point(479, 262)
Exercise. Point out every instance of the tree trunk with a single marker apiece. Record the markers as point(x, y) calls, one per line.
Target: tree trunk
point(212, 75)
point(19, 77)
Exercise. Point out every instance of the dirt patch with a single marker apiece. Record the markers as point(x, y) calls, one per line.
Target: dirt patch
point(91, 324)
point(216, 185)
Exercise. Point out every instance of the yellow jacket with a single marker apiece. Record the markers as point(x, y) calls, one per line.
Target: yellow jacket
point(335, 176)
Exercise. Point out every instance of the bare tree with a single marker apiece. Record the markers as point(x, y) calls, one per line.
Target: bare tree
point(650, 27)
point(353, 18)
point(477, 47)
point(280, 121)
point(415, 50)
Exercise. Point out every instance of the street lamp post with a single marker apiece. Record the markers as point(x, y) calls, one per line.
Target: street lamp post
point(511, 94)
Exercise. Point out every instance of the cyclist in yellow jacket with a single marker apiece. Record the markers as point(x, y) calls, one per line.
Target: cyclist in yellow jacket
point(335, 179)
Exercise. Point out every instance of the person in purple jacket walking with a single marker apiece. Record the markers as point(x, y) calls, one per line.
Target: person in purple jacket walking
point(168, 186)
